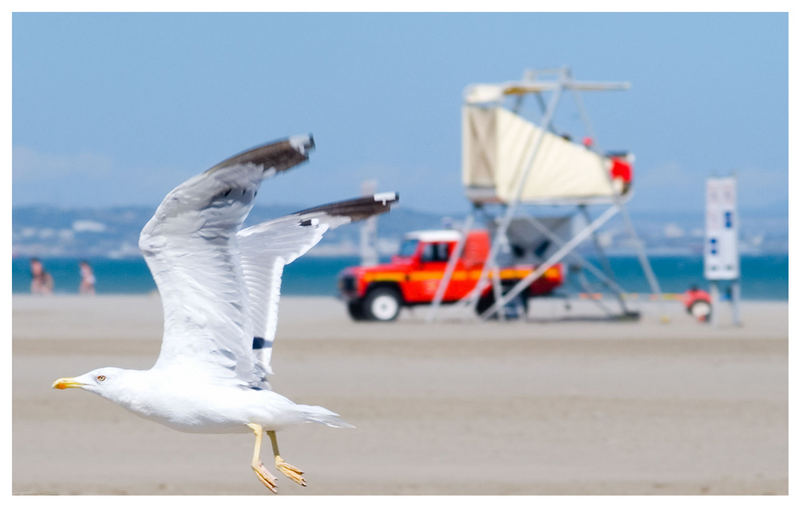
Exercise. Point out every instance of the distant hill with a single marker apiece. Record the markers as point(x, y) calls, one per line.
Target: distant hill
point(47, 231)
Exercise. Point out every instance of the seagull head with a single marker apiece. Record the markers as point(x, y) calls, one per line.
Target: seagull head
point(102, 381)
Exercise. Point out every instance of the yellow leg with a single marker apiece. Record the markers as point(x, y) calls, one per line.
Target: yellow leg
point(266, 478)
point(286, 469)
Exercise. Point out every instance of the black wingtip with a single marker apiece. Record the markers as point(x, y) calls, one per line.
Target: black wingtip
point(358, 208)
point(279, 155)
point(303, 143)
point(386, 197)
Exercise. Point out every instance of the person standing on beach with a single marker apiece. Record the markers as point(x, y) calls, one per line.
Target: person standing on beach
point(41, 281)
point(87, 278)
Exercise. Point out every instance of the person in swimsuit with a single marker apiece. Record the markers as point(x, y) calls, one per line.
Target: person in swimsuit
point(87, 278)
point(41, 281)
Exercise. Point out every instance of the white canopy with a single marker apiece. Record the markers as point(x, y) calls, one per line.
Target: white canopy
point(497, 143)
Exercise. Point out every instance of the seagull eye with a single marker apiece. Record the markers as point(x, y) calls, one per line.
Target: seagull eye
point(101, 378)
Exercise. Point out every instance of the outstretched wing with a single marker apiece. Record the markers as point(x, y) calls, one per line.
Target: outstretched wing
point(190, 246)
point(267, 247)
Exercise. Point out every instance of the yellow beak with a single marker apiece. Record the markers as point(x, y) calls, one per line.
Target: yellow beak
point(65, 383)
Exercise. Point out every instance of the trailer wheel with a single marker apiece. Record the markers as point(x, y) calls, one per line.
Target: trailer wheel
point(382, 304)
point(701, 310)
point(356, 310)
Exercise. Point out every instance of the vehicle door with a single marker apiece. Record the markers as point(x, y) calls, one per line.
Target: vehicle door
point(430, 271)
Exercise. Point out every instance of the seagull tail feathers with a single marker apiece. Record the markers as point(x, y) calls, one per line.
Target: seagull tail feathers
point(324, 416)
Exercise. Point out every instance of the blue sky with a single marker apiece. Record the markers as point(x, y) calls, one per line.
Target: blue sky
point(113, 109)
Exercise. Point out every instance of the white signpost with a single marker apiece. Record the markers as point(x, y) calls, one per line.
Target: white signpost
point(721, 259)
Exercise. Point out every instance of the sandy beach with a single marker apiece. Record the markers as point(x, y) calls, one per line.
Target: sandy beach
point(563, 404)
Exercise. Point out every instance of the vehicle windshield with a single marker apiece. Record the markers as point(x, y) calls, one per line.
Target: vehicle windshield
point(408, 247)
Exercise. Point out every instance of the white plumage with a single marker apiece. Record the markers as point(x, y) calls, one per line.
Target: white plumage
point(219, 287)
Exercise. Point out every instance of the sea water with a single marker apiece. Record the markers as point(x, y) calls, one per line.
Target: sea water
point(763, 277)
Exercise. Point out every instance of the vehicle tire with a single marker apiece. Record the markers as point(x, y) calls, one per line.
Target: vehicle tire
point(701, 310)
point(382, 304)
point(356, 310)
point(487, 300)
point(484, 303)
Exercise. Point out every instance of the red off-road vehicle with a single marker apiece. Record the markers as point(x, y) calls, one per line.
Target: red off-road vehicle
point(413, 275)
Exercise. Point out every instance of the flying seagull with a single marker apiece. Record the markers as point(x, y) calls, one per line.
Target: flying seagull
point(219, 287)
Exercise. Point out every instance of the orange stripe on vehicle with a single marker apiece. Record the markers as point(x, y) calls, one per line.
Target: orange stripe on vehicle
point(462, 275)
point(417, 276)
point(458, 276)
point(384, 277)
point(552, 273)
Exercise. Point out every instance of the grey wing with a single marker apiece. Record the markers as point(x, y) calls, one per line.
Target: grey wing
point(191, 248)
point(267, 247)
